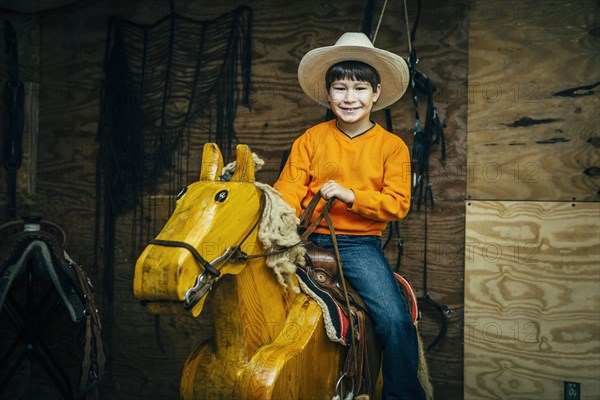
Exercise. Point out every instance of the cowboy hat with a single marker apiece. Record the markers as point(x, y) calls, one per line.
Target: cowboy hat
point(353, 46)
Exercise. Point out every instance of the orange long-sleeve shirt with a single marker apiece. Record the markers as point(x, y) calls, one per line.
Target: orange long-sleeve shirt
point(375, 165)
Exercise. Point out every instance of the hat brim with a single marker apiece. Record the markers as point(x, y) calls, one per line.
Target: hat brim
point(392, 70)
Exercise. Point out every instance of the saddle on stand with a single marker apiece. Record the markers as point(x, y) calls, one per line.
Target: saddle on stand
point(36, 247)
point(347, 320)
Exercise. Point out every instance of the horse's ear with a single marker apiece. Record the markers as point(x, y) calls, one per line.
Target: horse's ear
point(212, 162)
point(244, 169)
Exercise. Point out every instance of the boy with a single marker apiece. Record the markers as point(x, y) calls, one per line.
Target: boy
point(367, 169)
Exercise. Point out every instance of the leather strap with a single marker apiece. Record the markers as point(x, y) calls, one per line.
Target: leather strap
point(338, 260)
point(309, 228)
point(92, 369)
point(199, 259)
point(306, 225)
point(309, 210)
point(356, 356)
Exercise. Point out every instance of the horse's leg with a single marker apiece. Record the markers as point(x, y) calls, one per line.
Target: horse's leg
point(210, 374)
point(301, 363)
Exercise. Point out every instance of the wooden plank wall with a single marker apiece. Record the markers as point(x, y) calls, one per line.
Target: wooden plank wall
point(148, 353)
point(532, 251)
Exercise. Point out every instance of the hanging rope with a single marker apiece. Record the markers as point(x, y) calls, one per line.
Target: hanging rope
point(408, 36)
point(379, 22)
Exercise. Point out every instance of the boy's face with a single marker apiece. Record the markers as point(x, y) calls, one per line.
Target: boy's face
point(351, 101)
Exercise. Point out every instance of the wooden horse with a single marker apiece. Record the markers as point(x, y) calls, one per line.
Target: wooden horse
point(270, 341)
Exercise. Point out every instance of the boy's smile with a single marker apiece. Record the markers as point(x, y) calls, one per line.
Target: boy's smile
point(351, 101)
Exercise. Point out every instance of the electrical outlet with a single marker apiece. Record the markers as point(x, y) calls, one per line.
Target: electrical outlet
point(572, 390)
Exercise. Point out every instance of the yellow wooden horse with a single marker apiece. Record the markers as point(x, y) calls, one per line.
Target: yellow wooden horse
point(270, 340)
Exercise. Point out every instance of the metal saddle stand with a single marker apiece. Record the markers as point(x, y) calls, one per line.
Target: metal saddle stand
point(35, 247)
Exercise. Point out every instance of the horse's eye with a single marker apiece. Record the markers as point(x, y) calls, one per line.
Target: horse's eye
point(221, 196)
point(180, 194)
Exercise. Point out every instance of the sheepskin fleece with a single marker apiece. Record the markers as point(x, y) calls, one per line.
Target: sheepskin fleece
point(278, 231)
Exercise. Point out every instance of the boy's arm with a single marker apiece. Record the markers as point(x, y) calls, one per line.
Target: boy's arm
point(294, 178)
point(393, 201)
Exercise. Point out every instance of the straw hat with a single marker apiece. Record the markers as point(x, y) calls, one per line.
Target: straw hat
point(353, 46)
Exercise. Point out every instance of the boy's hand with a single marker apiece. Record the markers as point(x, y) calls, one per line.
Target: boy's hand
point(333, 189)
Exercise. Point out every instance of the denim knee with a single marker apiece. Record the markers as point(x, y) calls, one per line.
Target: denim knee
point(395, 324)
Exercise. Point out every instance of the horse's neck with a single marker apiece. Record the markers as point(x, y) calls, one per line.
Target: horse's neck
point(249, 309)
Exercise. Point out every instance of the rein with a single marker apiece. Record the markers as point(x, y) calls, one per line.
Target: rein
point(308, 229)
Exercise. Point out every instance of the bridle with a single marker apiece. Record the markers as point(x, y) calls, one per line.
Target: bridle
point(211, 270)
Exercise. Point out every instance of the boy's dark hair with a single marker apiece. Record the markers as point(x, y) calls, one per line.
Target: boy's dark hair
point(354, 70)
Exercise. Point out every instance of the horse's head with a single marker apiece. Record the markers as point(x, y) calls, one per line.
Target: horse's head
point(214, 222)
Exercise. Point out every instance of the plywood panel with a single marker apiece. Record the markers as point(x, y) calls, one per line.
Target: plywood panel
point(533, 101)
point(532, 299)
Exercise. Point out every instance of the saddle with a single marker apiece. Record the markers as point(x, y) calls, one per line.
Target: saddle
point(40, 244)
point(347, 320)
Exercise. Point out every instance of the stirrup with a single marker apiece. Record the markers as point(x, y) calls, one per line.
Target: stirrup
point(339, 388)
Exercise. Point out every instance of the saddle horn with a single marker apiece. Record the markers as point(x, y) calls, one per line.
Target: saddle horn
point(244, 170)
point(212, 162)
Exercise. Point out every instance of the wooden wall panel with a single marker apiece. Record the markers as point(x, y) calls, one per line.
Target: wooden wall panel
point(27, 29)
point(533, 101)
point(148, 353)
point(532, 299)
point(437, 237)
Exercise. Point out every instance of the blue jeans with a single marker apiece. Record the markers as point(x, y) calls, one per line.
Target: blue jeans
point(368, 271)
